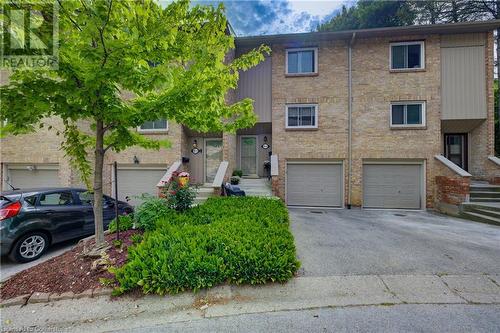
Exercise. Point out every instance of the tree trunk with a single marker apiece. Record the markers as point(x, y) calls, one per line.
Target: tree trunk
point(99, 163)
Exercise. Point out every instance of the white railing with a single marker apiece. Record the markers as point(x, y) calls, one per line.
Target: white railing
point(166, 177)
point(219, 176)
point(455, 168)
point(494, 159)
point(274, 165)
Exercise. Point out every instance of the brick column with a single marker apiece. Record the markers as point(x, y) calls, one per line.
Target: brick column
point(229, 153)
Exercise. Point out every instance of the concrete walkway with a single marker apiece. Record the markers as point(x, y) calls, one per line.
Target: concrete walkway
point(303, 293)
point(256, 187)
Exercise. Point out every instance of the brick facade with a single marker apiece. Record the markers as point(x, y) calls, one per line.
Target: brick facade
point(374, 88)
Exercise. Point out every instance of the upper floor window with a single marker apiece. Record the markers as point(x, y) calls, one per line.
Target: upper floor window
point(407, 55)
point(407, 114)
point(160, 125)
point(302, 116)
point(302, 61)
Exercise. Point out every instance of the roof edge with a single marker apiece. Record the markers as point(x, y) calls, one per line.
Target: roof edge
point(444, 28)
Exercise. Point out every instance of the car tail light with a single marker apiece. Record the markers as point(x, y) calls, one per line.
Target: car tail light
point(11, 210)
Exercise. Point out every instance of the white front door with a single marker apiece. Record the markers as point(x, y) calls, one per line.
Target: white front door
point(248, 155)
point(213, 157)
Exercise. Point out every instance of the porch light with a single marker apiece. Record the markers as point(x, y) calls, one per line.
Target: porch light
point(265, 145)
point(195, 149)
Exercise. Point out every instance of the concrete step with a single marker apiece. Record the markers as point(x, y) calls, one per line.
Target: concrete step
point(480, 218)
point(485, 188)
point(475, 199)
point(484, 194)
point(490, 206)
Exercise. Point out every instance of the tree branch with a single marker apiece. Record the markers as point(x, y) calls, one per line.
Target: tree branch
point(69, 16)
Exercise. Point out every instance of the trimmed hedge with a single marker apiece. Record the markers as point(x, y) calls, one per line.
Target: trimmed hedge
point(228, 239)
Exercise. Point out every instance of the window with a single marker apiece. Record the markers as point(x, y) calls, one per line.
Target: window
point(56, 199)
point(86, 198)
point(409, 114)
point(407, 55)
point(301, 61)
point(30, 200)
point(154, 126)
point(301, 116)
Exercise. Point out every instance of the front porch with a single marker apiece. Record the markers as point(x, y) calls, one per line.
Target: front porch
point(248, 150)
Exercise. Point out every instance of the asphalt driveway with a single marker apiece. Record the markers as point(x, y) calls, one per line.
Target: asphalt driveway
point(360, 242)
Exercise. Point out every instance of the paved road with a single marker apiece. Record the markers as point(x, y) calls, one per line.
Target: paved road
point(9, 268)
point(400, 318)
point(353, 242)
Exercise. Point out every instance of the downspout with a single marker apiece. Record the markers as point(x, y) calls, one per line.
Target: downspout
point(349, 139)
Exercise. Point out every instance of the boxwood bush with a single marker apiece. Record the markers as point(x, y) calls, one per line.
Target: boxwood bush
point(228, 239)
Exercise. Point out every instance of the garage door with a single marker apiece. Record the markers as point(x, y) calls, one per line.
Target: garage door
point(32, 176)
point(318, 185)
point(133, 182)
point(392, 186)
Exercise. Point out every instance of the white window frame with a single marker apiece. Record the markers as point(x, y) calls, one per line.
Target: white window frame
point(422, 55)
point(315, 49)
point(423, 124)
point(315, 106)
point(152, 130)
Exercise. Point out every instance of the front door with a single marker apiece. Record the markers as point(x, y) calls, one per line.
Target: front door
point(455, 149)
point(248, 151)
point(213, 157)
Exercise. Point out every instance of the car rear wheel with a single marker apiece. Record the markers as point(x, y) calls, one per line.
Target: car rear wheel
point(30, 247)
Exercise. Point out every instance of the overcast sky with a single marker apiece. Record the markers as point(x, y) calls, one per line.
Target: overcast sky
point(258, 17)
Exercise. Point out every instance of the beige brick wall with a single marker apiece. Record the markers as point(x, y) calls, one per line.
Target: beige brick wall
point(329, 90)
point(374, 88)
point(43, 146)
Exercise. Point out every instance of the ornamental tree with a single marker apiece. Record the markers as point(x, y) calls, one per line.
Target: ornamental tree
point(172, 60)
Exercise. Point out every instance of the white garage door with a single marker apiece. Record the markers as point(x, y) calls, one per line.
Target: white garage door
point(392, 186)
point(133, 182)
point(32, 176)
point(315, 185)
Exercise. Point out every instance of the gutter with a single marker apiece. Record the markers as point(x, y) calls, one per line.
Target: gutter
point(349, 140)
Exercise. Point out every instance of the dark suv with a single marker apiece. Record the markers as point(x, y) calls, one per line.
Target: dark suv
point(33, 219)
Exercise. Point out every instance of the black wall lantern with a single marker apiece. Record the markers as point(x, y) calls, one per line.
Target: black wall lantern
point(265, 145)
point(195, 150)
point(136, 160)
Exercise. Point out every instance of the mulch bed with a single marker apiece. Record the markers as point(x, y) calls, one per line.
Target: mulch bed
point(67, 272)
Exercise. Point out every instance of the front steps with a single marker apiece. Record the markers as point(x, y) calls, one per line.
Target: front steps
point(484, 205)
point(203, 192)
point(256, 187)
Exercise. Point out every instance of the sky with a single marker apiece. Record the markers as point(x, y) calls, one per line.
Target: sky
point(265, 17)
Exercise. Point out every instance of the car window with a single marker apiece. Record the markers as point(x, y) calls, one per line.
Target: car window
point(86, 198)
point(56, 199)
point(31, 200)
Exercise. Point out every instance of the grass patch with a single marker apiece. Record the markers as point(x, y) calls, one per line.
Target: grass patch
point(228, 239)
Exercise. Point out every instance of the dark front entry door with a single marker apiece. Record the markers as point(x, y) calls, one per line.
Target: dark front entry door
point(456, 149)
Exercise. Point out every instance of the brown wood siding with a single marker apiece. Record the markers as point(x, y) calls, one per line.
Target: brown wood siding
point(256, 84)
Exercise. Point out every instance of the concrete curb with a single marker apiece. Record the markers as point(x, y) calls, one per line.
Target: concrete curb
point(40, 297)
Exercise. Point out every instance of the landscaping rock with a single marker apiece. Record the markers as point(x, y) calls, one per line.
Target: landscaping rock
point(102, 292)
point(38, 297)
point(63, 296)
point(86, 294)
point(19, 300)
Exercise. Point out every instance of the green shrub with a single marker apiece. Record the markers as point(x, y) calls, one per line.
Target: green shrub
point(136, 238)
point(229, 239)
point(126, 223)
point(150, 211)
point(235, 180)
point(238, 173)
